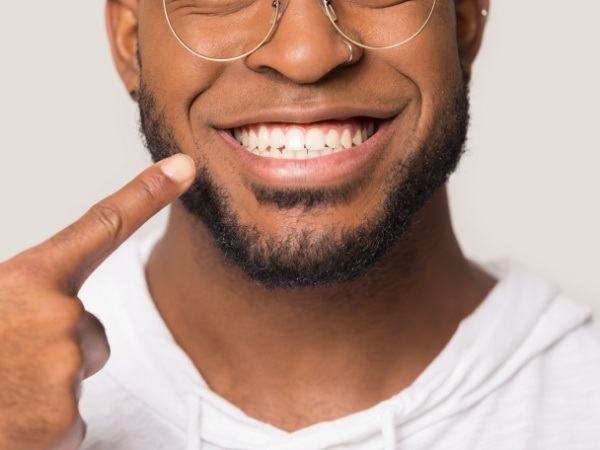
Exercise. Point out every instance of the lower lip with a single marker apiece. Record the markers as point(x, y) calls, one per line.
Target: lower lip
point(323, 170)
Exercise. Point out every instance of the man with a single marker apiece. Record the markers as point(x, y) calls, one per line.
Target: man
point(309, 291)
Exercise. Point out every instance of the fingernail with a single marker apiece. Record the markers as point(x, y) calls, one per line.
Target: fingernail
point(178, 167)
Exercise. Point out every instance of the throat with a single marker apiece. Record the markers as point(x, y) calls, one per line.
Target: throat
point(296, 357)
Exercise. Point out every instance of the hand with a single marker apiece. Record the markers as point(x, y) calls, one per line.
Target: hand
point(48, 342)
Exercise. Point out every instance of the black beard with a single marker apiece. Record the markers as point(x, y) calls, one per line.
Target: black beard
point(310, 258)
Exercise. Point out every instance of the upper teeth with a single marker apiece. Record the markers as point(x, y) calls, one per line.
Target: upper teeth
point(302, 141)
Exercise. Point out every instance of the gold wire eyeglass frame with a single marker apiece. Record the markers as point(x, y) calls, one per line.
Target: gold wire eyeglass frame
point(280, 6)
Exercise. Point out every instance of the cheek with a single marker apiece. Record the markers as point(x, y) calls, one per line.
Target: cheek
point(174, 75)
point(432, 65)
point(440, 66)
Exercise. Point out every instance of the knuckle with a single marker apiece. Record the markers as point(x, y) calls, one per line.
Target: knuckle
point(64, 367)
point(150, 187)
point(53, 315)
point(108, 216)
point(68, 314)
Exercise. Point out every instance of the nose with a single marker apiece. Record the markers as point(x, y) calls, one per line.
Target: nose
point(305, 46)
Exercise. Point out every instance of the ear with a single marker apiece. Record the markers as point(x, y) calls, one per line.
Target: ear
point(122, 28)
point(471, 17)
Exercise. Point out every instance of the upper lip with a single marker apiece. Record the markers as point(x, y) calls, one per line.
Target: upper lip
point(305, 113)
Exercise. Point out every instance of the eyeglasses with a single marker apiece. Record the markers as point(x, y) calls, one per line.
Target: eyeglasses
point(226, 30)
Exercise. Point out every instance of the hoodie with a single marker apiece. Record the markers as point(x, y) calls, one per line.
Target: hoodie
point(521, 372)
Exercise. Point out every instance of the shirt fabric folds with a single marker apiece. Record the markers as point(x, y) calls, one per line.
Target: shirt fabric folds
point(521, 372)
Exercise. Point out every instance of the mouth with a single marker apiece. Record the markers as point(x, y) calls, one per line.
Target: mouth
point(294, 141)
point(308, 151)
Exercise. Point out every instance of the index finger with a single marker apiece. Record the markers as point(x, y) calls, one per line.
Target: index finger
point(82, 246)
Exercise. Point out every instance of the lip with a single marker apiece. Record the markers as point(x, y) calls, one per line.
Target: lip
point(326, 170)
point(305, 113)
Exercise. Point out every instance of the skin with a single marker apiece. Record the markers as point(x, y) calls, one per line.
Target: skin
point(333, 350)
point(48, 342)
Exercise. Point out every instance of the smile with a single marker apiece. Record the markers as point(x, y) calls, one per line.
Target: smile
point(304, 141)
point(321, 152)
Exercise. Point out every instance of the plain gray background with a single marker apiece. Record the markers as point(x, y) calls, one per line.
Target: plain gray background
point(527, 189)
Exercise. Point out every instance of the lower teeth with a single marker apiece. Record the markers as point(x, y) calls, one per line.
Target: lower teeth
point(294, 154)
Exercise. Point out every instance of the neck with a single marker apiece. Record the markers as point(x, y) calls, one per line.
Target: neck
point(287, 357)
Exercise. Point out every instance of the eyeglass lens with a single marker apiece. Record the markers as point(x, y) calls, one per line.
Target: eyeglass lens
point(225, 29)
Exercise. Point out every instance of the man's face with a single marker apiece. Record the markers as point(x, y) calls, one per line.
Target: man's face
point(293, 223)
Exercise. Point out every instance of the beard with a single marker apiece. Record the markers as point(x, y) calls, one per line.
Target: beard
point(318, 257)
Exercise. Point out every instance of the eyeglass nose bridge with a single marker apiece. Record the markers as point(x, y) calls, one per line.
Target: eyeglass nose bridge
point(324, 4)
point(281, 5)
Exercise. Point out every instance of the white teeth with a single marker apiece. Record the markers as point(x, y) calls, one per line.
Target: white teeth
point(238, 135)
point(332, 139)
point(253, 139)
point(357, 138)
point(301, 143)
point(346, 139)
point(277, 138)
point(314, 139)
point(263, 138)
point(301, 154)
point(294, 139)
point(286, 153)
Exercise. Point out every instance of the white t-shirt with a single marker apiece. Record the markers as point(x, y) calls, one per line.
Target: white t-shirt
point(521, 372)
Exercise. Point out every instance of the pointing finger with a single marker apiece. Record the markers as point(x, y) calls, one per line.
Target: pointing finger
point(82, 246)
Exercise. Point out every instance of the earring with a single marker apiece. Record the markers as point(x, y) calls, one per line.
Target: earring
point(351, 57)
point(484, 12)
point(133, 94)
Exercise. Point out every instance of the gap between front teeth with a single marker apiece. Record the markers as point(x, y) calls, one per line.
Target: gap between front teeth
point(297, 143)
